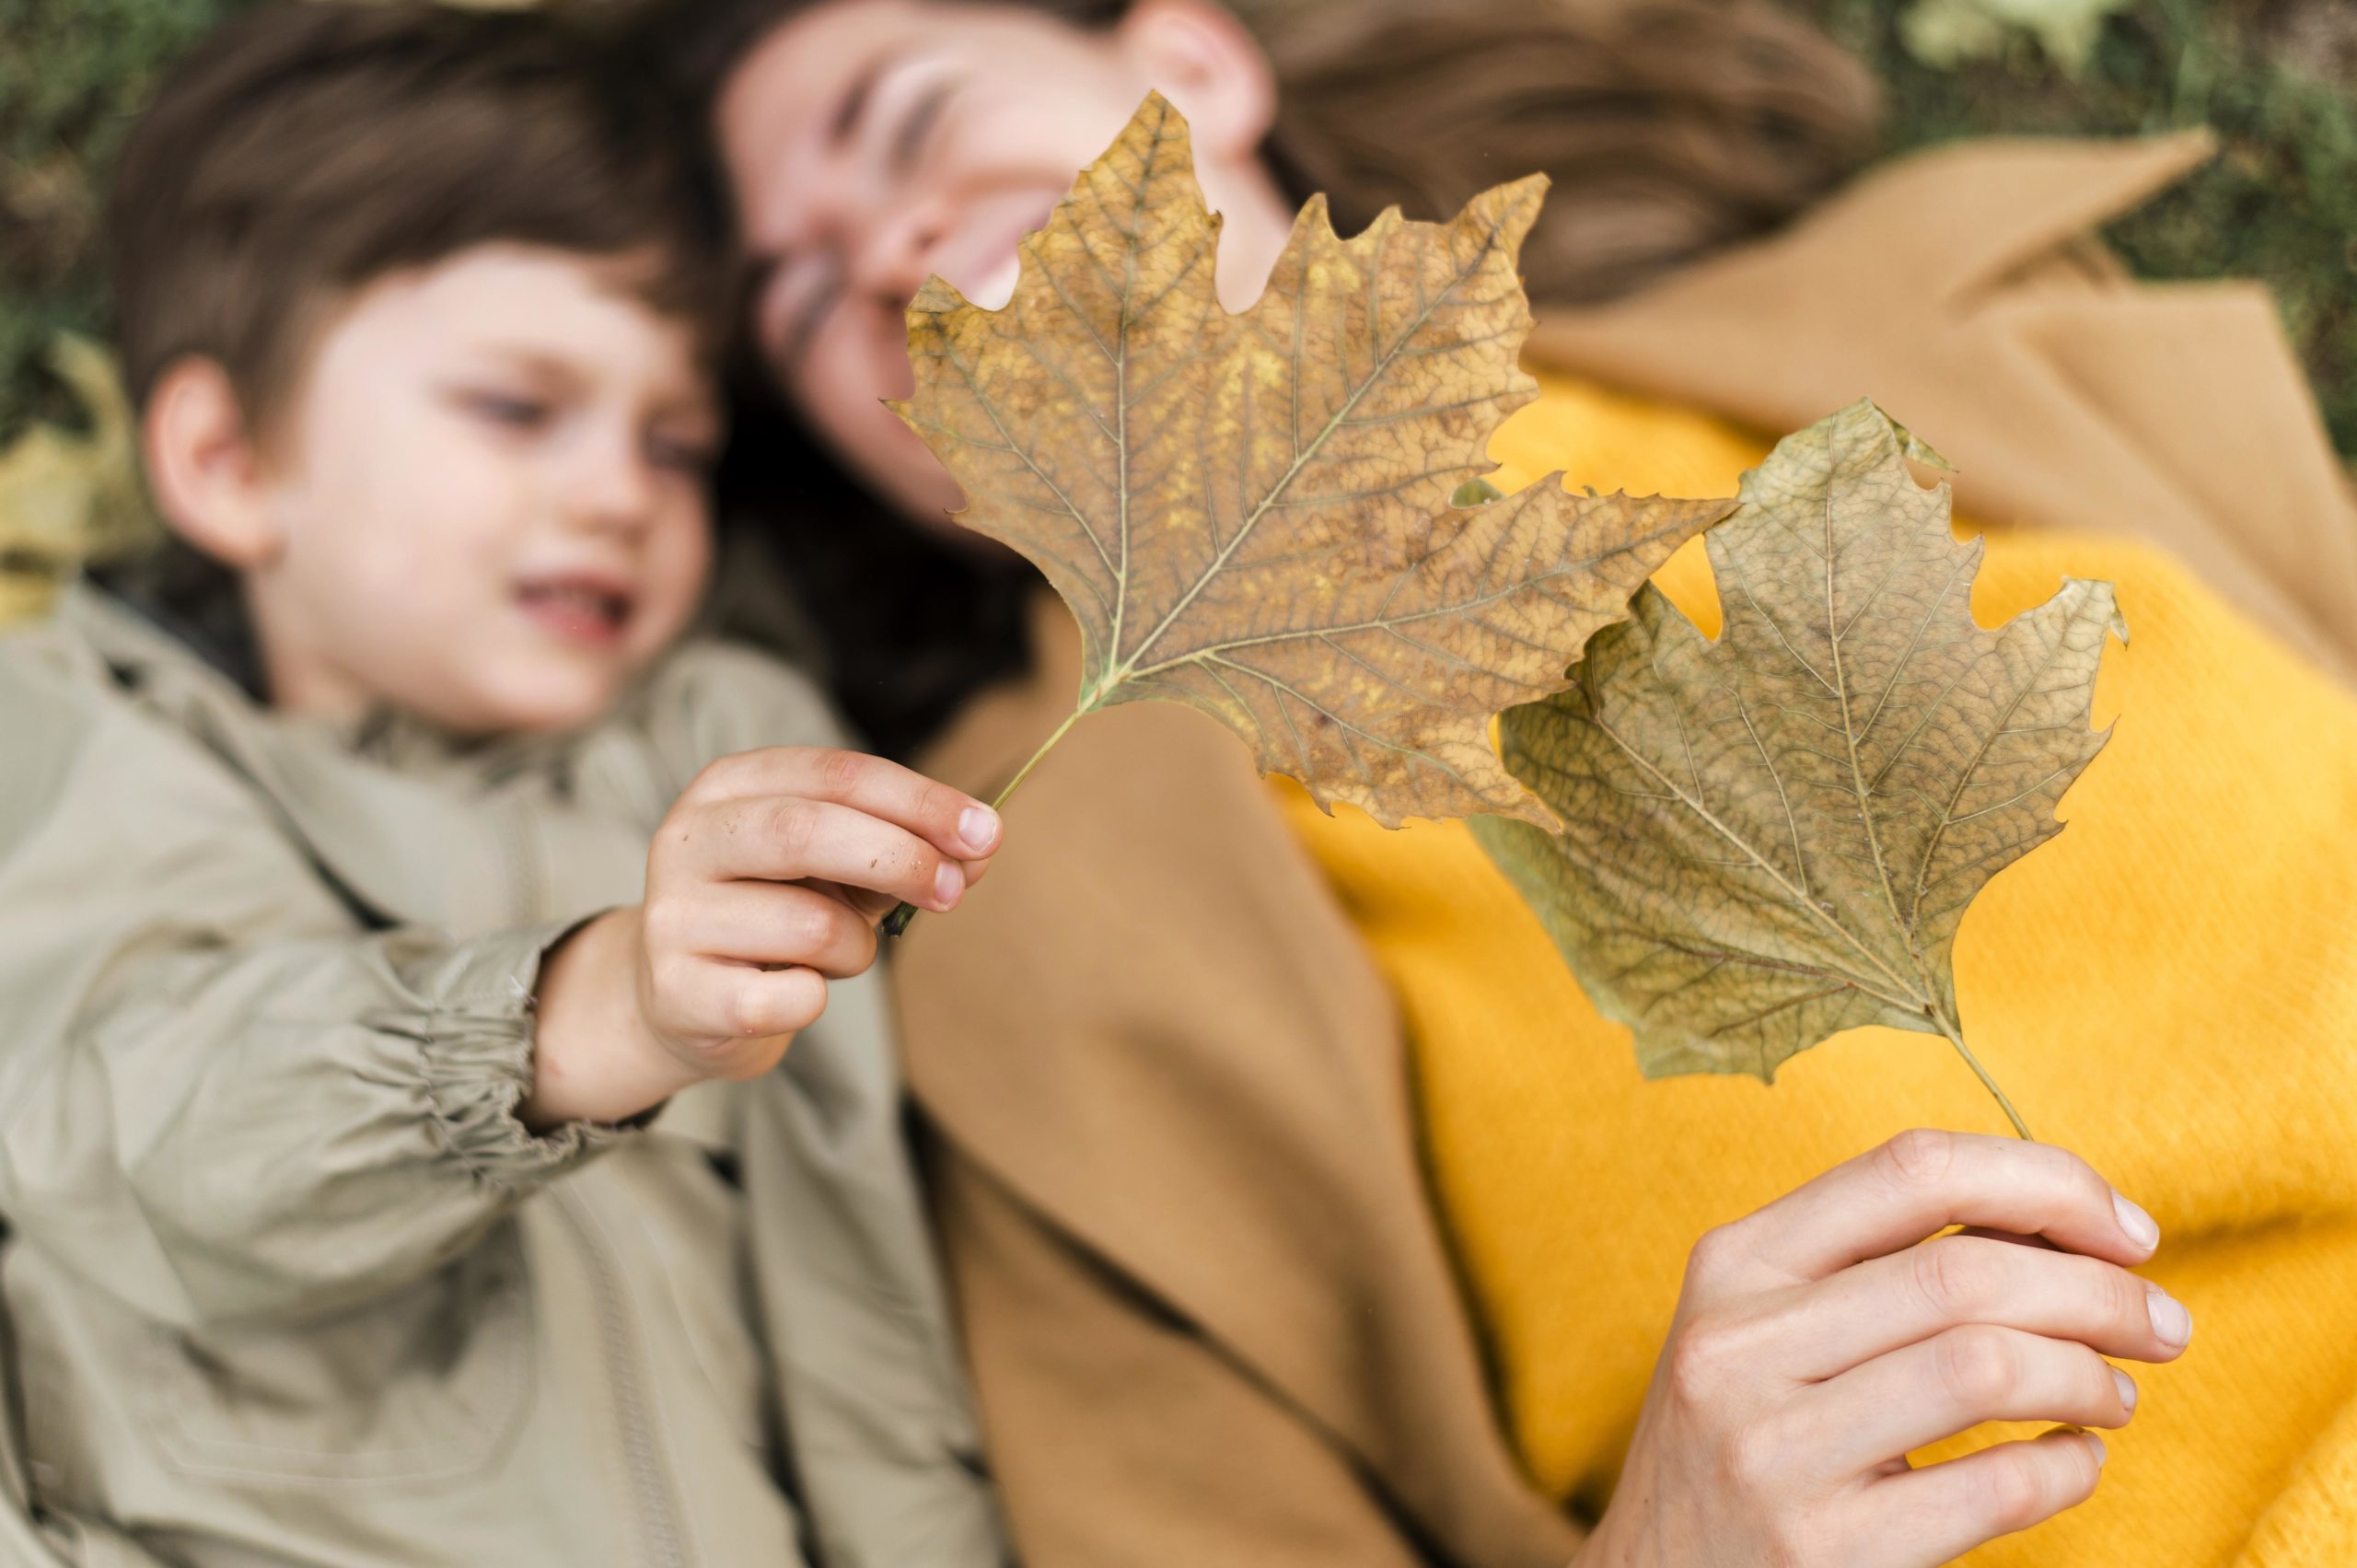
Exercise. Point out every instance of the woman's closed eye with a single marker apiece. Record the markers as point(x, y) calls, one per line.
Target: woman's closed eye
point(909, 139)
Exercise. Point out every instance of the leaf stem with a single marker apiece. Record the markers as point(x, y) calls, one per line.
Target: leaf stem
point(898, 921)
point(1955, 1037)
point(1045, 747)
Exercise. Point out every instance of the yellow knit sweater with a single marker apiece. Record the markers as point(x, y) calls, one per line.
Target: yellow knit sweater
point(2190, 1026)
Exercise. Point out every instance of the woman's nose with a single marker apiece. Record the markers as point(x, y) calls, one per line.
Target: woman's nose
point(894, 257)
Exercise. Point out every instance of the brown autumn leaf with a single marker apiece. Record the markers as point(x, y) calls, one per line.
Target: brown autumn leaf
point(67, 497)
point(1252, 513)
point(1773, 837)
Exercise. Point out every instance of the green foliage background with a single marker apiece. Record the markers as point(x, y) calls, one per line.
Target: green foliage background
point(73, 74)
point(2276, 77)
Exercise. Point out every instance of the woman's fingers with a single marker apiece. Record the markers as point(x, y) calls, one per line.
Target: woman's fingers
point(1950, 1383)
point(1937, 1514)
point(767, 924)
point(1923, 1181)
point(1748, 1451)
point(952, 821)
point(1878, 1306)
point(790, 838)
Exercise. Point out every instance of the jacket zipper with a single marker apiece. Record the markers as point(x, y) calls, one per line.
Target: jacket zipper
point(658, 1519)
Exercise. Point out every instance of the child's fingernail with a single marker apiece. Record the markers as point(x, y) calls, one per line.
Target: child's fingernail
point(2095, 1443)
point(947, 883)
point(979, 827)
point(2172, 1324)
point(2140, 1226)
point(2127, 1387)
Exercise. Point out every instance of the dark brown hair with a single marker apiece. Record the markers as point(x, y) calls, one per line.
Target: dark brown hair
point(305, 149)
point(1670, 129)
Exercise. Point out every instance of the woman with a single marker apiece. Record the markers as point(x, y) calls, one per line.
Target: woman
point(1210, 1316)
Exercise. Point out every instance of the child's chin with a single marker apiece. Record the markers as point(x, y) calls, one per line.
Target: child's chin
point(572, 702)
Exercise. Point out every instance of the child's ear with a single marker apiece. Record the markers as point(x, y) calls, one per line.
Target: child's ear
point(206, 466)
point(1209, 65)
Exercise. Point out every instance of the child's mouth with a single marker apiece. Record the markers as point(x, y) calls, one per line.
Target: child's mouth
point(580, 610)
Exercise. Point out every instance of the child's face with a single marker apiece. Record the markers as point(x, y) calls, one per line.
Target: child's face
point(487, 503)
point(873, 143)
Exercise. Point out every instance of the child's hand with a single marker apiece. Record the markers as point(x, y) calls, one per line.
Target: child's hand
point(765, 882)
point(1817, 1343)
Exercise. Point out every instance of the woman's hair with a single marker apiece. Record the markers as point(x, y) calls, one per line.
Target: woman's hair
point(1670, 129)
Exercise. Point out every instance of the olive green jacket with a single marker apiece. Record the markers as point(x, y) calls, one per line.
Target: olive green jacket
point(285, 1281)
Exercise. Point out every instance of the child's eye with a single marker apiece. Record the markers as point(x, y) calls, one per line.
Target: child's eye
point(506, 408)
point(680, 455)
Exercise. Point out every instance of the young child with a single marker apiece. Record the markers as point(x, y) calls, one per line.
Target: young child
point(367, 1196)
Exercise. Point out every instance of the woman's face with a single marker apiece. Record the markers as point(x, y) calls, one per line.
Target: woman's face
point(873, 143)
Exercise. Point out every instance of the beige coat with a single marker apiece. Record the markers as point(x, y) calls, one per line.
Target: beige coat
point(287, 1281)
point(1209, 1313)
point(1964, 291)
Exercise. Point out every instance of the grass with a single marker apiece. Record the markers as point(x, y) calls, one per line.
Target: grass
point(2276, 79)
point(73, 74)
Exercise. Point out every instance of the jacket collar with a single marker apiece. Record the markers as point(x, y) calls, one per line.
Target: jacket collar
point(412, 825)
point(1964, 289)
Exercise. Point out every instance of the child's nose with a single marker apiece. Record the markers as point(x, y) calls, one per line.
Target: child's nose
point(613, 486)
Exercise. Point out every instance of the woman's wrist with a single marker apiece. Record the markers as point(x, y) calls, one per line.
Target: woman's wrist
point(593, 1057)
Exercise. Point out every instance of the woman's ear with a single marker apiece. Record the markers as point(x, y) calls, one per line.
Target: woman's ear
point(1210, 66)
point(204, 467)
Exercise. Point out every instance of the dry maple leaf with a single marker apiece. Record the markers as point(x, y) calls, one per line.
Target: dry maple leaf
point(67, 497)
point(1251, 513)
point(1771, 838)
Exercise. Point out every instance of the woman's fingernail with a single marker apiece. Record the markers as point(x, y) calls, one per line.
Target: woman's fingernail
point(979, 827)
point(2172, 1324)
point(947, 883)
point(2140, 1226)
point(2127, 1387)
point(2095, 1443)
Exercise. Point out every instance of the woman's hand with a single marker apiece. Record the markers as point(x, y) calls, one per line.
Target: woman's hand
point(1816, 1343)
point(765, 882)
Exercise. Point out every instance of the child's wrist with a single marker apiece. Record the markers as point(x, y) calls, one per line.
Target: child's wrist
point(594, 1058)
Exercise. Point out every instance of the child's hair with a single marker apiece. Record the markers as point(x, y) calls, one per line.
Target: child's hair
point(306, 149)
point(1670, 129)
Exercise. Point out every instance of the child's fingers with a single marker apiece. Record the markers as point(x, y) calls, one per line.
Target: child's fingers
point(765, 924)
point(952, 821)
point(791, 838)
point(1923, 1181)
point(741, 1013)
point(1878, 1306)
point(1937, 1514)
point(1950, 1383)
point(874, 907)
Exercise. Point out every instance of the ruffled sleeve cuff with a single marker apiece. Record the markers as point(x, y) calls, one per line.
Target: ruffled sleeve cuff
point(476, 1035)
